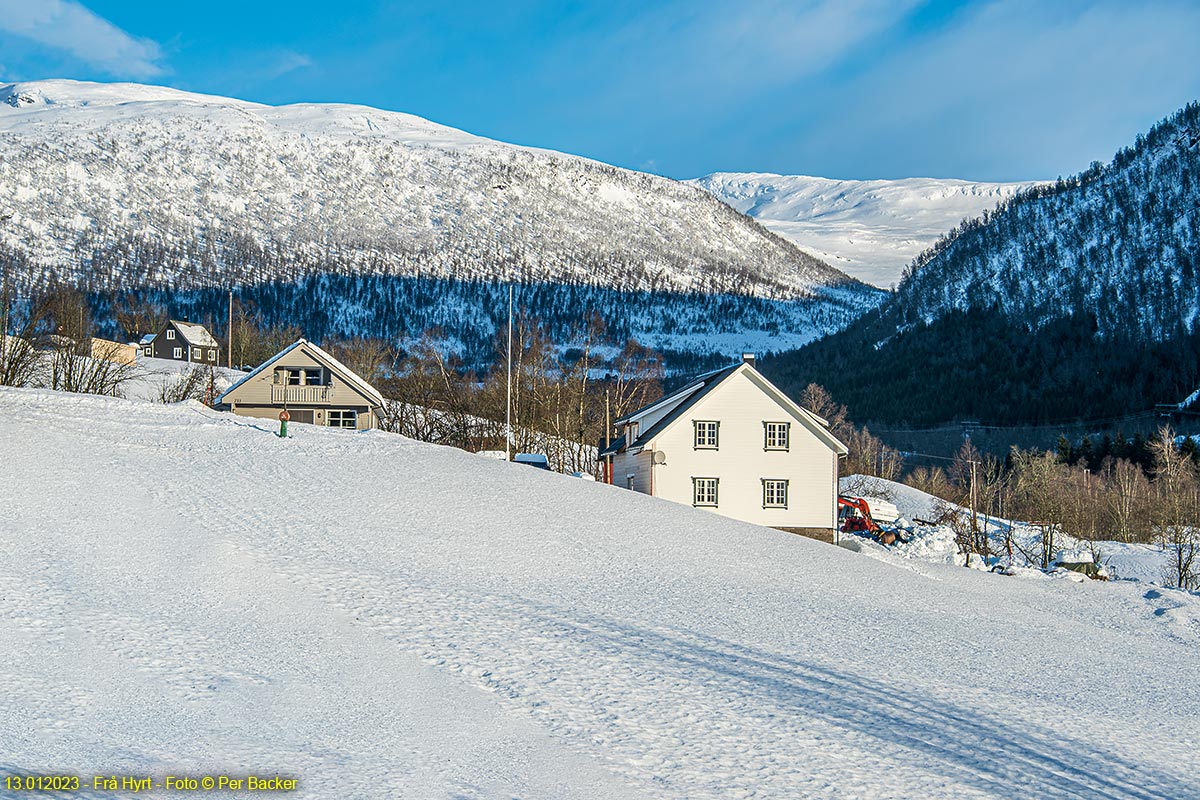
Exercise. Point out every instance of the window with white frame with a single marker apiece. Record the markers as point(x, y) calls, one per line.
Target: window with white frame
point(704, 491)
point(706, 434)
point(177, 352)
point(212, 355)
point(775, 491)
point(170, 333)
point(149, 351)
point(342, 419)
point(776, 435)
point(196, 353)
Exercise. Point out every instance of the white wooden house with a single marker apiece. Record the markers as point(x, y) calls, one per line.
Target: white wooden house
point(731, 442)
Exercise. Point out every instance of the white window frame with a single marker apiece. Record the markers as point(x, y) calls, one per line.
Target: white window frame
point(706, 492)
point(212, 354)
point(775, 492)
point(342, 417)
point(776, 441)
point(149, 351)
point(177, 352)
point(170, 333)
point(701, 438)
point(197, 354)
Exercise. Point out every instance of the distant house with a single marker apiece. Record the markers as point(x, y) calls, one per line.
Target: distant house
point(733, 443)
point(182, 341)
point(114, 351)
point(312, 385)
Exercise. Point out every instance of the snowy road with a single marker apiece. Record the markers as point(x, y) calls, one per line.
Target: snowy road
point(185, 592)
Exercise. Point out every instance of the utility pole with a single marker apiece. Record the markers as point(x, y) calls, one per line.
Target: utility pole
point(508, 410)
point(229, 333)
point(607, 437)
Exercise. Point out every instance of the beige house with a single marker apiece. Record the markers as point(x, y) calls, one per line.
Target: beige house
point(733, 443)
point(312, 385)
point(114, 351)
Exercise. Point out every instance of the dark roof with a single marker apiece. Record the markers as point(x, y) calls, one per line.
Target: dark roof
point(699, 388)
point(609, 446)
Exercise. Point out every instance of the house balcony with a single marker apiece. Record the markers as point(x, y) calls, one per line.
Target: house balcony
point(301, 395)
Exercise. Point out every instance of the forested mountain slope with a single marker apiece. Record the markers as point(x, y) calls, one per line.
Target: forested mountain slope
point(1074, 299)
point(120, 188)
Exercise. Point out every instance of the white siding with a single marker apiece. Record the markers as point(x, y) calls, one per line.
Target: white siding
point(741, 462)
point(638, 466)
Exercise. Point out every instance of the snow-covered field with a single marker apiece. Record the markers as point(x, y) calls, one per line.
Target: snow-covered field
point(871, 230)
point(185, 593)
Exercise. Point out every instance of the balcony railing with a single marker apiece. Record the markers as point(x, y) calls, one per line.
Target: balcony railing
point(301, 394)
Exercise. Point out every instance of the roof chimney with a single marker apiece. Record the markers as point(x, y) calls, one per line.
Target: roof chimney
point(748, 358)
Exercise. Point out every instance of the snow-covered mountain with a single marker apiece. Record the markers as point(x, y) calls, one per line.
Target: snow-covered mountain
point(869, 229)
point(1078, 299)
point(179, 600)
point(190, 190)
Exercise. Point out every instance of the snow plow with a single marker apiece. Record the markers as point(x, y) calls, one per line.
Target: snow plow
point(871, 517)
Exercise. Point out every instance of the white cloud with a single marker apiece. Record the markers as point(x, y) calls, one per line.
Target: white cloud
point(749, 47)
point(285, 62)
point(68, 26)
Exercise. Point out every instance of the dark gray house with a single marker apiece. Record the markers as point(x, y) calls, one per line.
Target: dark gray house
point(182, 341)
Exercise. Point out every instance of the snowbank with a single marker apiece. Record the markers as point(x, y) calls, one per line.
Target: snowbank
point(185, 592)
point(1129, 561)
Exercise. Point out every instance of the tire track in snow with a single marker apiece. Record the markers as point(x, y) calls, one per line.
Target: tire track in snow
point(705, 697)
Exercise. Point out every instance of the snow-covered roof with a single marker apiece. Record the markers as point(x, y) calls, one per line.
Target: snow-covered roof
point(147, 339)
point(195, 335)
point(696, 390)
point(349, 375)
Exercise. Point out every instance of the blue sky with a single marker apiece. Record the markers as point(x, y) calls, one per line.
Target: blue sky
point(1007, 90)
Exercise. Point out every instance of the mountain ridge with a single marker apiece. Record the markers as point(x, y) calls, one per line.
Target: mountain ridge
point(382, 191)
point(871, 229)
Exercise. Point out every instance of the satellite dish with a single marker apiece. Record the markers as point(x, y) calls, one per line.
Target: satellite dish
point(658, 457)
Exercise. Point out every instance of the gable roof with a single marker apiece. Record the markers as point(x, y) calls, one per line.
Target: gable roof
point(195, 335)
point(692, 393)
point(349, 375)
point(683, 399)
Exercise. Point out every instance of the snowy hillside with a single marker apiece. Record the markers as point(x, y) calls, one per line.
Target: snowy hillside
point(118, 185)
point(929, 542)
point(869, 229)
point(186, 593)
point(1119, 242)
point(1076, 300)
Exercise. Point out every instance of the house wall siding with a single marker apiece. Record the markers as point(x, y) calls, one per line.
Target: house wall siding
point(638, 466)
point(741, 462)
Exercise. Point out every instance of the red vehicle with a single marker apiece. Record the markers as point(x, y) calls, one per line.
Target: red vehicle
point(854, 516)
